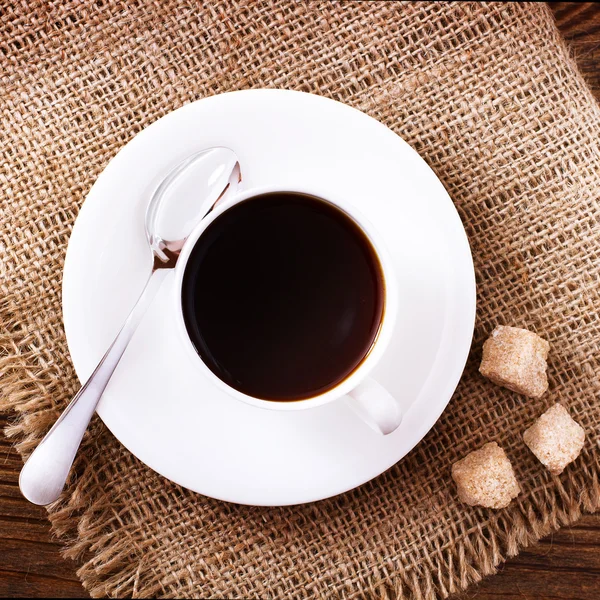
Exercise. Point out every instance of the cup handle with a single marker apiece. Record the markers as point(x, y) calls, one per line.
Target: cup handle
point(375, 406)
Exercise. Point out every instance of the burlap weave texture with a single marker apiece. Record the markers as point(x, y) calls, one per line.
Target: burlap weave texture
point(488, 95)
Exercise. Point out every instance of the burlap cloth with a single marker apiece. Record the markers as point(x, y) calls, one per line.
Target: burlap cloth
point(488, 95)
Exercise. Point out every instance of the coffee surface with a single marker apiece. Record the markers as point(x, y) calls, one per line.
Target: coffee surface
point(283, 296)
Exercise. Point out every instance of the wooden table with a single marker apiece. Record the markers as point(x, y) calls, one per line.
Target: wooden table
point(566, 565)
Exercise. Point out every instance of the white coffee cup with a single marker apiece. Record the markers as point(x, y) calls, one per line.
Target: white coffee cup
point(368, 398)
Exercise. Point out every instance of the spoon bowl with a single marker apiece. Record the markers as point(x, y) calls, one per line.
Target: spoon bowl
point(174, 209)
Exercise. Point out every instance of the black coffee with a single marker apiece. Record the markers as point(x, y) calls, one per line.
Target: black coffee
point(283, 296)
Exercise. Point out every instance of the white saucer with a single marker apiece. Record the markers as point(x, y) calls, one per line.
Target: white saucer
point(171, 417)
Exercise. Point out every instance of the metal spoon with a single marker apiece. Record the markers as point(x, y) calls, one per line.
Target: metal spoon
point(184, 197)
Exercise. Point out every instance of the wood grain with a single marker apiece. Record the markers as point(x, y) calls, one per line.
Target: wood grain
point(30, 560)
point(580, 24)
point(563, 566)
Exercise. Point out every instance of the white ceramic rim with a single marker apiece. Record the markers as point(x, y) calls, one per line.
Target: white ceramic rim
point(384, 333)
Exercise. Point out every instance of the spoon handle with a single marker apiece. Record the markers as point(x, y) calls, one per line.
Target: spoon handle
point(44, 474)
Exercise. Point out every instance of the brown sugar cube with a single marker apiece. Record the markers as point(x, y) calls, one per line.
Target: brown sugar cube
point(516, 359)
point(485, 477)
point(555, 438)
